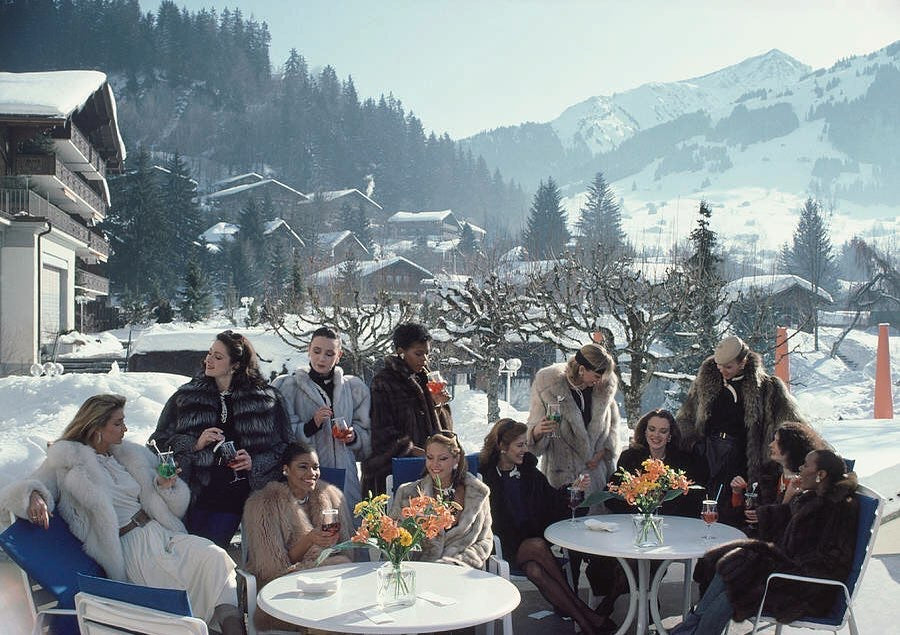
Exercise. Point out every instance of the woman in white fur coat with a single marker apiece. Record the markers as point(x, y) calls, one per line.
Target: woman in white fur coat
point(586, 437)
point(470, 540)
point(316, 396)
point(283, 524)
point(128, 517)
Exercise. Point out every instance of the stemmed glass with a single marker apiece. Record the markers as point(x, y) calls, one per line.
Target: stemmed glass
point(227, 453)
point(576, 496)
point(554, 415)
point(166, 467)
point(709, 514)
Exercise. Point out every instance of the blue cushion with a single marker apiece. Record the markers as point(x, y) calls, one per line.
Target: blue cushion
point(407, 469)
point(53, 557)
point(334, 475)
point(173, 601)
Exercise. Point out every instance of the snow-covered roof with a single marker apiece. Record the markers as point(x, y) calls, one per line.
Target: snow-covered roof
point(54, 94)
point(166, 171)
point(329, 240)
point(332, 195)
point(219, 232)
point(232, 179)
point(406, 217)
point(475, 228)
point(366, 268)
point(772, 284)
point(272, 225)
point(515, 254)
point(231, 191)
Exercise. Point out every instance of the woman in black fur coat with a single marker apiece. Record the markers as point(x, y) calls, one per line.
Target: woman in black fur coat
point(228, 401)
point(812, 535)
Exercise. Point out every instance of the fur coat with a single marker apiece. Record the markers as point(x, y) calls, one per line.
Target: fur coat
point(546, 505)
point(470, 541)
point(811, 536)
point(73, 481)
point(403, 415)
point(302, 397)
point(260, 422)
point(273, 521)
point(563, 459)
point(767, 403)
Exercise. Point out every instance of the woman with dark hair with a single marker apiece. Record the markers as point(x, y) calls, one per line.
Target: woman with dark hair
point(812, 535)
point(585, 439)
point(284, 524)
point(228, 401)
point(470, 540)
point(317, 397)
point(523, 505)
point(777, 482)
point(127, 516)
point(404, 412)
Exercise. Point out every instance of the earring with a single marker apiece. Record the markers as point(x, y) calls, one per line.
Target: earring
point(818, 479)
point(99, 436)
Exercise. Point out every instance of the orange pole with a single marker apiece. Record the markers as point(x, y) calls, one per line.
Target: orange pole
point(782, 361)
point(884, 402)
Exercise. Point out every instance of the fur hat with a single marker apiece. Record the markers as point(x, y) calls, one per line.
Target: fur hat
point(730, 349)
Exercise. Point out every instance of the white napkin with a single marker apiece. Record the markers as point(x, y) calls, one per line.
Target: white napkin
point(598, 525)
point(376, 615)
point(434, 598)
point(321, 585)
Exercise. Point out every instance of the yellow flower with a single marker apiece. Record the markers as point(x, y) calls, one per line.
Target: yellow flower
point(405, 538)
point(360, 508)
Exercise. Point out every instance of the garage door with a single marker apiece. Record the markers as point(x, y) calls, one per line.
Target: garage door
point(51, 302)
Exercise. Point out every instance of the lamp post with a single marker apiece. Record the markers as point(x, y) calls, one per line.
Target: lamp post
point(510, 367)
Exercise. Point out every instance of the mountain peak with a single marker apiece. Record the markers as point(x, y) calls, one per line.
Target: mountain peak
point(774, 66)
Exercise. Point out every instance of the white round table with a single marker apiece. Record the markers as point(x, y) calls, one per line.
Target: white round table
point(480, 597)
point(683, 542)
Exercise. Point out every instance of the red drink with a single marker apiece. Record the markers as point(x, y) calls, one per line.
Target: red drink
point(340, 433)
point(710, 517)
point(331, 528)
point(436, 387)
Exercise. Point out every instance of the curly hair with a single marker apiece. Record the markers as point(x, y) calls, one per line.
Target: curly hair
point(795, 440)
point(241, 352)
point(639, 440)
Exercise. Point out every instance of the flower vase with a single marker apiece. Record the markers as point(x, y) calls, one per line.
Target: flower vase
point(648, 530)
point(396, 585)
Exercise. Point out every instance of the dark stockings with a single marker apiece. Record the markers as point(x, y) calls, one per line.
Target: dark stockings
point(536, 560)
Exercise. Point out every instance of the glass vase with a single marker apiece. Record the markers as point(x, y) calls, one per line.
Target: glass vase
point(648, 530)
point(396, 585)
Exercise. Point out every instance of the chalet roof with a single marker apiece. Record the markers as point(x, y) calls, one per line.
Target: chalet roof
point(238, 189)
point(162, 170)
point(55, 96)
point(366, 268)
point(220, 232)
point(333, 195)
point(772, 284)
point(426, 217)
point(232, 179)
point(330, 240)
point(277, 224)
point(475, 228)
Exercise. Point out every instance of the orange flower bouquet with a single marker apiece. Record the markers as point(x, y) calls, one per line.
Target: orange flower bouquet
point(646, 489)
point(424, 517)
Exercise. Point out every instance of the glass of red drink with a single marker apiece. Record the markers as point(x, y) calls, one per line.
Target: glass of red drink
point(709, 514)
point(330, 521)
point(339, 428)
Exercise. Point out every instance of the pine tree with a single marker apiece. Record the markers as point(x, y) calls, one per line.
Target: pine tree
point(183, 214)
point(601, 218)
point(349, 275)
point(354, 219)
point(811, 257)
point(196, 296)
point(546, 234)
point(467, 244)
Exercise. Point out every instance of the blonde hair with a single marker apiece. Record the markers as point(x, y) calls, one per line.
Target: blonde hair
point(91, 416)
point(449, 440)
point(597, 357)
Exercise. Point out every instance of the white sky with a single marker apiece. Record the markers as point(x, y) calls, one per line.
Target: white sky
point(468, 65)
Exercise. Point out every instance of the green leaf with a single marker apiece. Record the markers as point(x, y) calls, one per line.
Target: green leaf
point(599, 497)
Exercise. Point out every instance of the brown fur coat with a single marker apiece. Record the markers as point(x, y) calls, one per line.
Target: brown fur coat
point(470, 541)
point(811, 536)
point(273, 521)
point(767, 403)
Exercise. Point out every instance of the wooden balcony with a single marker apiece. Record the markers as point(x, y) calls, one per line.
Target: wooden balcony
point(90, 284)
point(78, 152)
point(60, 185)
point(16, 200)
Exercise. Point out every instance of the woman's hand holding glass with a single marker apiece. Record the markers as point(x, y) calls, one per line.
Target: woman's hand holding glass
point(322, 416)
point(547, 427)
point(209, 436)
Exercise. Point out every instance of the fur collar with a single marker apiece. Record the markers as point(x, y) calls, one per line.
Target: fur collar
point(312, 390)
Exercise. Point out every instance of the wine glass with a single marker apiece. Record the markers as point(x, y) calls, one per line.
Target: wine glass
point(226, 453)
point(576, 496)
point(750, 503)
point(331, 521)
point(709, 514)
point(555, 416)
point(339, 428)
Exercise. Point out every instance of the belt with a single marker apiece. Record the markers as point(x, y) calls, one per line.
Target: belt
point(138, 520)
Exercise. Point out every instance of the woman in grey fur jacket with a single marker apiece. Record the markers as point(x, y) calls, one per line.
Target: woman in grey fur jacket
point(283, 524)
point(470, 540)
point(128, 517)
point(587, 434)
point(315, 397)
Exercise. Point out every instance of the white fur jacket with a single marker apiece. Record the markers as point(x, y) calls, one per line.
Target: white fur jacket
point(302, 397)
point(469, 542)
point(73, 481)
point(563, 459)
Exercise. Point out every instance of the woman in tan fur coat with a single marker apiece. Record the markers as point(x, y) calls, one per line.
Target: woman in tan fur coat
point(283, 524)
point(470, 540)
